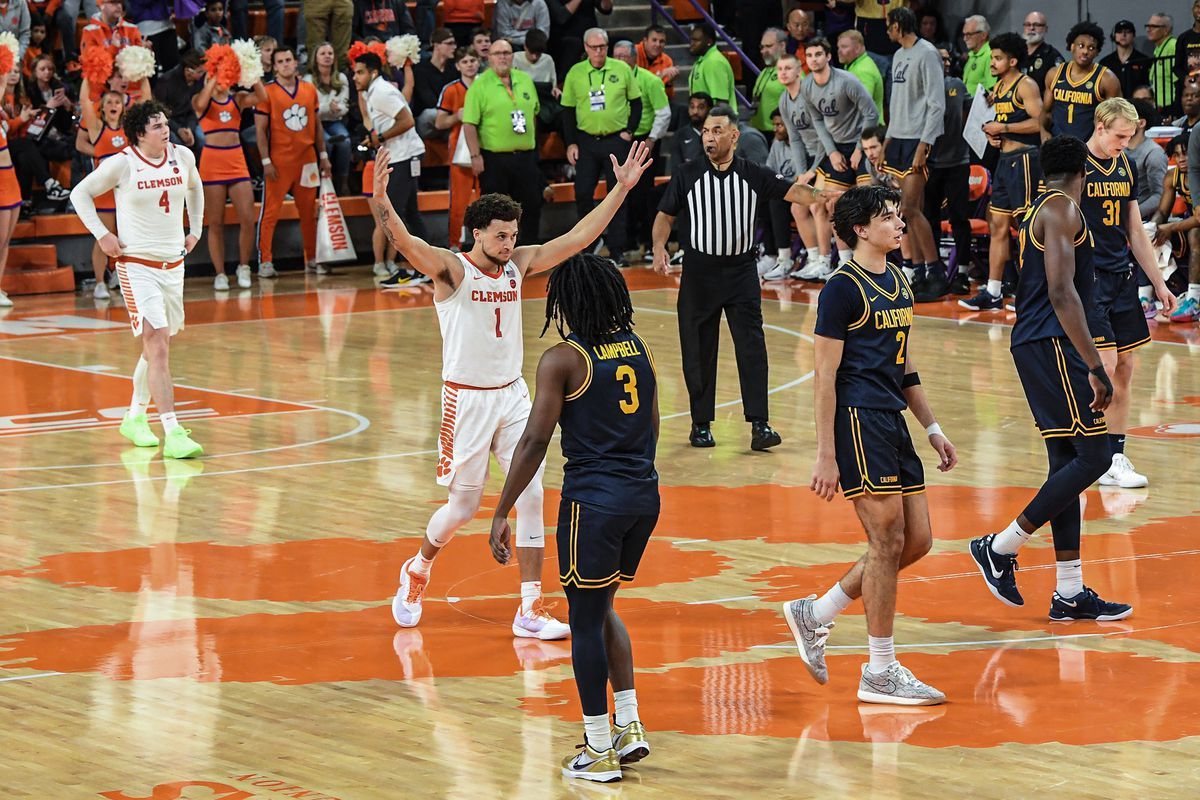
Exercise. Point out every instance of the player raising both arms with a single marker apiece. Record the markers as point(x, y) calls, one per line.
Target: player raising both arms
point(485, 402)
point(152, 180)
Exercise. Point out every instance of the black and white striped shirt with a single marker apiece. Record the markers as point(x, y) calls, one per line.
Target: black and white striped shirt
point(722, 206)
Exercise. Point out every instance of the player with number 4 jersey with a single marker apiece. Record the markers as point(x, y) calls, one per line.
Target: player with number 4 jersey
point(485, 402)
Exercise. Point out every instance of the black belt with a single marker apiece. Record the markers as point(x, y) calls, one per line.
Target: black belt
point(600, 136)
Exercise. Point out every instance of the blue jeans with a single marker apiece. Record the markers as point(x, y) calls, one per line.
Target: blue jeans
point(337, 144)
point(239, 18)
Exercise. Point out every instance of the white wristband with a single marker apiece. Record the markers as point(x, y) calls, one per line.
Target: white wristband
point(324, 156)
point(934, 430)
point(266, 161)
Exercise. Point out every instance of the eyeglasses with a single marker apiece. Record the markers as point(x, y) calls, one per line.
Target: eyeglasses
point(500, 53)
point(1035, 25)
point(972, 33)
point(601, 46)
point(451, 42)
point(1152, 25)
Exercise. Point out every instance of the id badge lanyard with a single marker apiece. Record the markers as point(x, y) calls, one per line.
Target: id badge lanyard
point(517, 117)
point(596, 95)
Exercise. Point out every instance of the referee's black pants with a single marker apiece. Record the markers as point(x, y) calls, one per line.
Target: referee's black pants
point(518, 176)
point(705, 291)
point(594, 163)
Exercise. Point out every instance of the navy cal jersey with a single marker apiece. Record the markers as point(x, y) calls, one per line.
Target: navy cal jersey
point(1108, 187)
point(1035, 314)
point(1075, 101)
point(1009, 109)
point(872, 315)
point(608, 428)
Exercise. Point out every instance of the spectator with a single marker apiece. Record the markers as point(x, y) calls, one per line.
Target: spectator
point(385, 19)
point(852, 53)
point(569, 21)
point(266, 50)
point(515, 18)
point(209, 28)
point(108, 28)
point(539, 66)
point(1146, 92)
point(1162, 71)
point(175, 90)
point(978, 69)
point(37, 44)
point(800, 30)
point(1149, 159)
point(652, 55)
point(224, 174)
point(1131, 66)
point(602, 106)
point(753, 19)
point(464, 183)
point(711, 73)
point(870, 19)
point(1184, 150)
point(767, 87)
point(463, 17)
point(15, 19)
point(155, 21)
point(1189, 103)
point(499, 121)
point(481, 43)
point(41, 128)
point(101, 136)
point(917, 112)
point(65, 17)
point(1074, 88)
point(949, 185)
point(1187, 44)
point(289, 138)
point(430, 76)
point(931, 28)
point(751, 143)
point(651, 128)
point(329, 21)
point(687, 140)
point(239, 19)
point(333, 104)
point(1040, 56)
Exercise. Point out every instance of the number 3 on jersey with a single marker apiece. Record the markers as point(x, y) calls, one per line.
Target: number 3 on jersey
point(627, 376)
point(165, 203)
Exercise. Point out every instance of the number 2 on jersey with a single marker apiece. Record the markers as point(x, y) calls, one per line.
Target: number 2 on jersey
point(165, 202)
point(901, 336)
point(627, 376)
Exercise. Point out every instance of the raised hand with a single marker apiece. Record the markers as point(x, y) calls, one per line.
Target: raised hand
point(637, 162)
point(383, 168)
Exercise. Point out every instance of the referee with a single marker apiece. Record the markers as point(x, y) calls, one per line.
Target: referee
point(602, 106)
point(721, 194)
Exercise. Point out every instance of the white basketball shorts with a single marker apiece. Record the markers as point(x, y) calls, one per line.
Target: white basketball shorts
point(152, 296)
point(475, 424)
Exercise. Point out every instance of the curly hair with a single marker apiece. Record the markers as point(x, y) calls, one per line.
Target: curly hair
point(138, 116)
point(491, 207)
point(587, 294)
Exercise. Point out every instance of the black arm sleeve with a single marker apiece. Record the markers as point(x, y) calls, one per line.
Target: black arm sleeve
point(570, 126)
point(635, 114)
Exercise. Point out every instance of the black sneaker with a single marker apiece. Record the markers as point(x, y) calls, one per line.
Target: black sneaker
point(961, 284)
point(1086, 605)
point(933, 288)
point(983, 302)
point(763, 436)
point(1008, 289)
point(998, 570)
point(398, 279)
point(701, 436)
point(918, 279)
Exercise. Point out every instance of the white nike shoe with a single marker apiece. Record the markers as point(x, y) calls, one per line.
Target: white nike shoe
point(406, 605)
point(765, 264)
point(539, 624)
point(897, 686)
point(221, 283)
point(267, 270)
point(1122, 474)
point(100, 291)
point(243, 276)
point(776, 273)
point(817, 269)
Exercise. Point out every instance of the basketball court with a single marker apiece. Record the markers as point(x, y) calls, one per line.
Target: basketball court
point(220, 628)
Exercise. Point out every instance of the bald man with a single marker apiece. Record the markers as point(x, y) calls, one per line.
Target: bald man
point(1041, 57)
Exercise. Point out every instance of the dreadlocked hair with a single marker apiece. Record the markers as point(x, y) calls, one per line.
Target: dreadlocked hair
point(588, 295)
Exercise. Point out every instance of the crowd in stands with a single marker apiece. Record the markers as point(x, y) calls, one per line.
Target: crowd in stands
point(544, 94)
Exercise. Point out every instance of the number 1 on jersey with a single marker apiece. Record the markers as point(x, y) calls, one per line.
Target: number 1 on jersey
point(165, 202)
point(499, 335)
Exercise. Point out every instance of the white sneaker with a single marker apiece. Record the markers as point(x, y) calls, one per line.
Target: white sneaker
point(539, 624)
point(4, 301)
point(313, 266)
point(243, 276)
point(765, 264)
point(897, 686)
point(406, 605)
point(1122, 474)
point(813, 270)
point(221, 283)
point(776, 273)
point(380, 270)
point(100, 291)
point(267, 270)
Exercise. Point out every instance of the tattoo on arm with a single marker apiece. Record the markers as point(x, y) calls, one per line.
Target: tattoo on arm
point(382, 215)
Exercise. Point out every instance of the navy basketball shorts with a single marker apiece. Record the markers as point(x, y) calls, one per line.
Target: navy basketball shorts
point(1017, 181)
point(1117, 320)
point(596, 549)
point(839, 179)
point(898, 158)
point(1055, 381)
point(874, 453)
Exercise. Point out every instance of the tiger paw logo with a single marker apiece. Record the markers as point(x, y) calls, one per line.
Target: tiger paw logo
point(118, 141)
point(225, 116)
point(296, 117)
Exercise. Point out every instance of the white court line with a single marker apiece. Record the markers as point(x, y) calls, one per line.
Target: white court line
point(687, 541)
point(31, 677)
point(720, 600)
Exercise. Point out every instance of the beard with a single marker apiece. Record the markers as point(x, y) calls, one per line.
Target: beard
point(1034, 38)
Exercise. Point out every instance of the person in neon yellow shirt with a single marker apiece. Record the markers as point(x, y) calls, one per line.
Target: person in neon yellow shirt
point(978, 69)
point(711, 74)
point(767, 87)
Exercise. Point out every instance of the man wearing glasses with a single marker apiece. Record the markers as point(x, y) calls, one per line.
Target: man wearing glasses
point(1188, 42)
point(1042, 57)
point(978, 69)
point(430, 76)
point(1162, 71)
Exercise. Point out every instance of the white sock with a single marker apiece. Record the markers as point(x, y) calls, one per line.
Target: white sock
point(421, 565)
point(1010, 540)
point(883, 652)
point(530, 592)
point(813, 253)
point(845, 255)
point(829, 605)
point(625, 704)
point(1070, 577)
point(391, 265)
point(1146, 292)
point(598, 733)
point(168, 421)
point(378, 263)
point(994, 288)
point(141, 387)
point(1194, 291)
point(785, 254)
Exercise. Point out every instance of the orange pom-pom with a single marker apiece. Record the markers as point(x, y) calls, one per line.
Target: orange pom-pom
point(356, 50)
point(7, 60)
point(221, 62)
point(379, 49)
point(96, 64)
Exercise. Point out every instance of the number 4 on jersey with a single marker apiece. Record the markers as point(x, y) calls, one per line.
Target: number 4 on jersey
point(165, 202)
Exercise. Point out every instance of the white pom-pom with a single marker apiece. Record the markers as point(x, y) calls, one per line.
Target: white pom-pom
point(403, 48)
point(135, 62)
point(250, 59)
point(10, 41)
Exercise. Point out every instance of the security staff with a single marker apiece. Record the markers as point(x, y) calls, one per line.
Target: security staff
point(656, 116)
point(721, 194)
point(602, 106)
point(499, 114)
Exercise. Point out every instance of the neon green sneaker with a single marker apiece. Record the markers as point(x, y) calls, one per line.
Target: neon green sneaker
point(136, 429)
point(180, 445)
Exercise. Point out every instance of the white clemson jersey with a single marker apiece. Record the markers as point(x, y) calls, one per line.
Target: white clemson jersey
point(150, 198)
point(482, 334)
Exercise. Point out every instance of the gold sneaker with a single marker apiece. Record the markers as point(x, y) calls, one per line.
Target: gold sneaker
point(592, 765)
point(630, 742)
